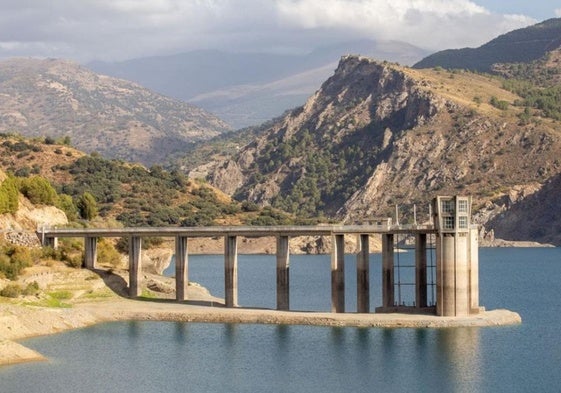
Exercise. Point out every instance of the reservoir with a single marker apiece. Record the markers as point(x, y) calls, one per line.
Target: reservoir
point(183, 357)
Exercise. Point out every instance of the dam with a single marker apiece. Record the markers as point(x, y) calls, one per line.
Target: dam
point(455, 285)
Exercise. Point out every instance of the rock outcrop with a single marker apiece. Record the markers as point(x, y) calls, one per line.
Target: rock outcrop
point(376, 135)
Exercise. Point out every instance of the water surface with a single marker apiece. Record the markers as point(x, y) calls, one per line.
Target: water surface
point(182, 357)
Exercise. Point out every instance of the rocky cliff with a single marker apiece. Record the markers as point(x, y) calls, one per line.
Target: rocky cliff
point(377, 134)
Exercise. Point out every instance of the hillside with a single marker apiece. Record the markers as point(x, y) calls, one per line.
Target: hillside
point(377, 134)
point(535, 218)
point(518, 46)
point(248, 88)
point(123, 193)
point(113, 117)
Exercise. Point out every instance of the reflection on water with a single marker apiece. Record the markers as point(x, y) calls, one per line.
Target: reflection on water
point(461, 350)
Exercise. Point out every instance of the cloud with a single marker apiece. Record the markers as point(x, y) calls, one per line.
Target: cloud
point(120, 29)
point(433, 24)
point(558, 12)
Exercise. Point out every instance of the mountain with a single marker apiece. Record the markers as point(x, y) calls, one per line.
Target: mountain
point(535, 218)
point(518, 46)
point(377, 134)
point(116, 118)
point(248, 88)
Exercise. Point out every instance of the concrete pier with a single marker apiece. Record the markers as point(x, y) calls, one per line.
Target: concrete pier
point(231, 270)
point(363, 274)
point(388, 290)
point(135, 271)
point(90, 252)
point(474, 271)
point(421, 270)
point(338, 274)
point(181, 267)
point(283, 273)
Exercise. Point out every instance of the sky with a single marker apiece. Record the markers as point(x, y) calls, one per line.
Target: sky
point(116, 30)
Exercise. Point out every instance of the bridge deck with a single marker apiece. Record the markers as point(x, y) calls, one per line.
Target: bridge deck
point(247, 231)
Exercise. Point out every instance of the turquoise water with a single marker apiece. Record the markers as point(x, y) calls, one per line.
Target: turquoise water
point(179, 357)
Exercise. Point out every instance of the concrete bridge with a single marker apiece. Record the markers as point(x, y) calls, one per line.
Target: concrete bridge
point(457, 291)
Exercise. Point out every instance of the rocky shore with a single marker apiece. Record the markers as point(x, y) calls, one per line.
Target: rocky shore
point(18, 322)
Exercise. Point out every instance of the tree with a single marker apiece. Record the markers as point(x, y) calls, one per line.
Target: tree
point(39, 191)
point(87, 206)
point(66, 204)
point(9, 194)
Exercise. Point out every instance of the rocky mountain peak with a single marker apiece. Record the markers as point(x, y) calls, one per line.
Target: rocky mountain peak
point(324, 151)
point(376, 134)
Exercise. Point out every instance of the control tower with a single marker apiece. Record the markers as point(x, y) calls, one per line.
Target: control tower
point(457, 272)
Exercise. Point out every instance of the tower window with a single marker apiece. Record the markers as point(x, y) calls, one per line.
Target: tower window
point(448, 222)
point(447, 206)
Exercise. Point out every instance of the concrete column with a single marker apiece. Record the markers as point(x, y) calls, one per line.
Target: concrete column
point(135, 246)
point(181, 267)
point(363, 275)
point(445, 273)
point(474, 271)
point(231, 270)
point(90, 250)
point(283, 273)
point(388, 289)
point(462, 274)
point(438, 250)
point(421, 270)
point(338, 274)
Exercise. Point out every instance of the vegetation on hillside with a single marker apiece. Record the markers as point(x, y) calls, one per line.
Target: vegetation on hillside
point(87, 186)
point(536, 83)
point(331, 172)
point(223, 145)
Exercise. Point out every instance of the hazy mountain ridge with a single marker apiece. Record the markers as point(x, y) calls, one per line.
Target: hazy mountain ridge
point(377, 134)
point(518, 46)
point(248, 88)
point(116, 118)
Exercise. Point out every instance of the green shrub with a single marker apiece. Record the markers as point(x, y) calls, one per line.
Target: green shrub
point(249, 206)
point(87, 206)
point(9, 195)
point(499, 104)
point(39, 191)
point(11, 290)
point(106, 253)
point(13, 259)
point(149, 242)
point(66, 204)
point(73, 260)
point(31, 289)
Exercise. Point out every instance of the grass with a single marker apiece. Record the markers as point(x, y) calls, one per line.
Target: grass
point(49, 302)
point(60, 295)
point(146, 294)
point(466, 85)
point(102, 294)
point(53, 300)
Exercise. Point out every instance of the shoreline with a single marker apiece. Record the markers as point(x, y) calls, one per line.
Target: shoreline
point(20, 322)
